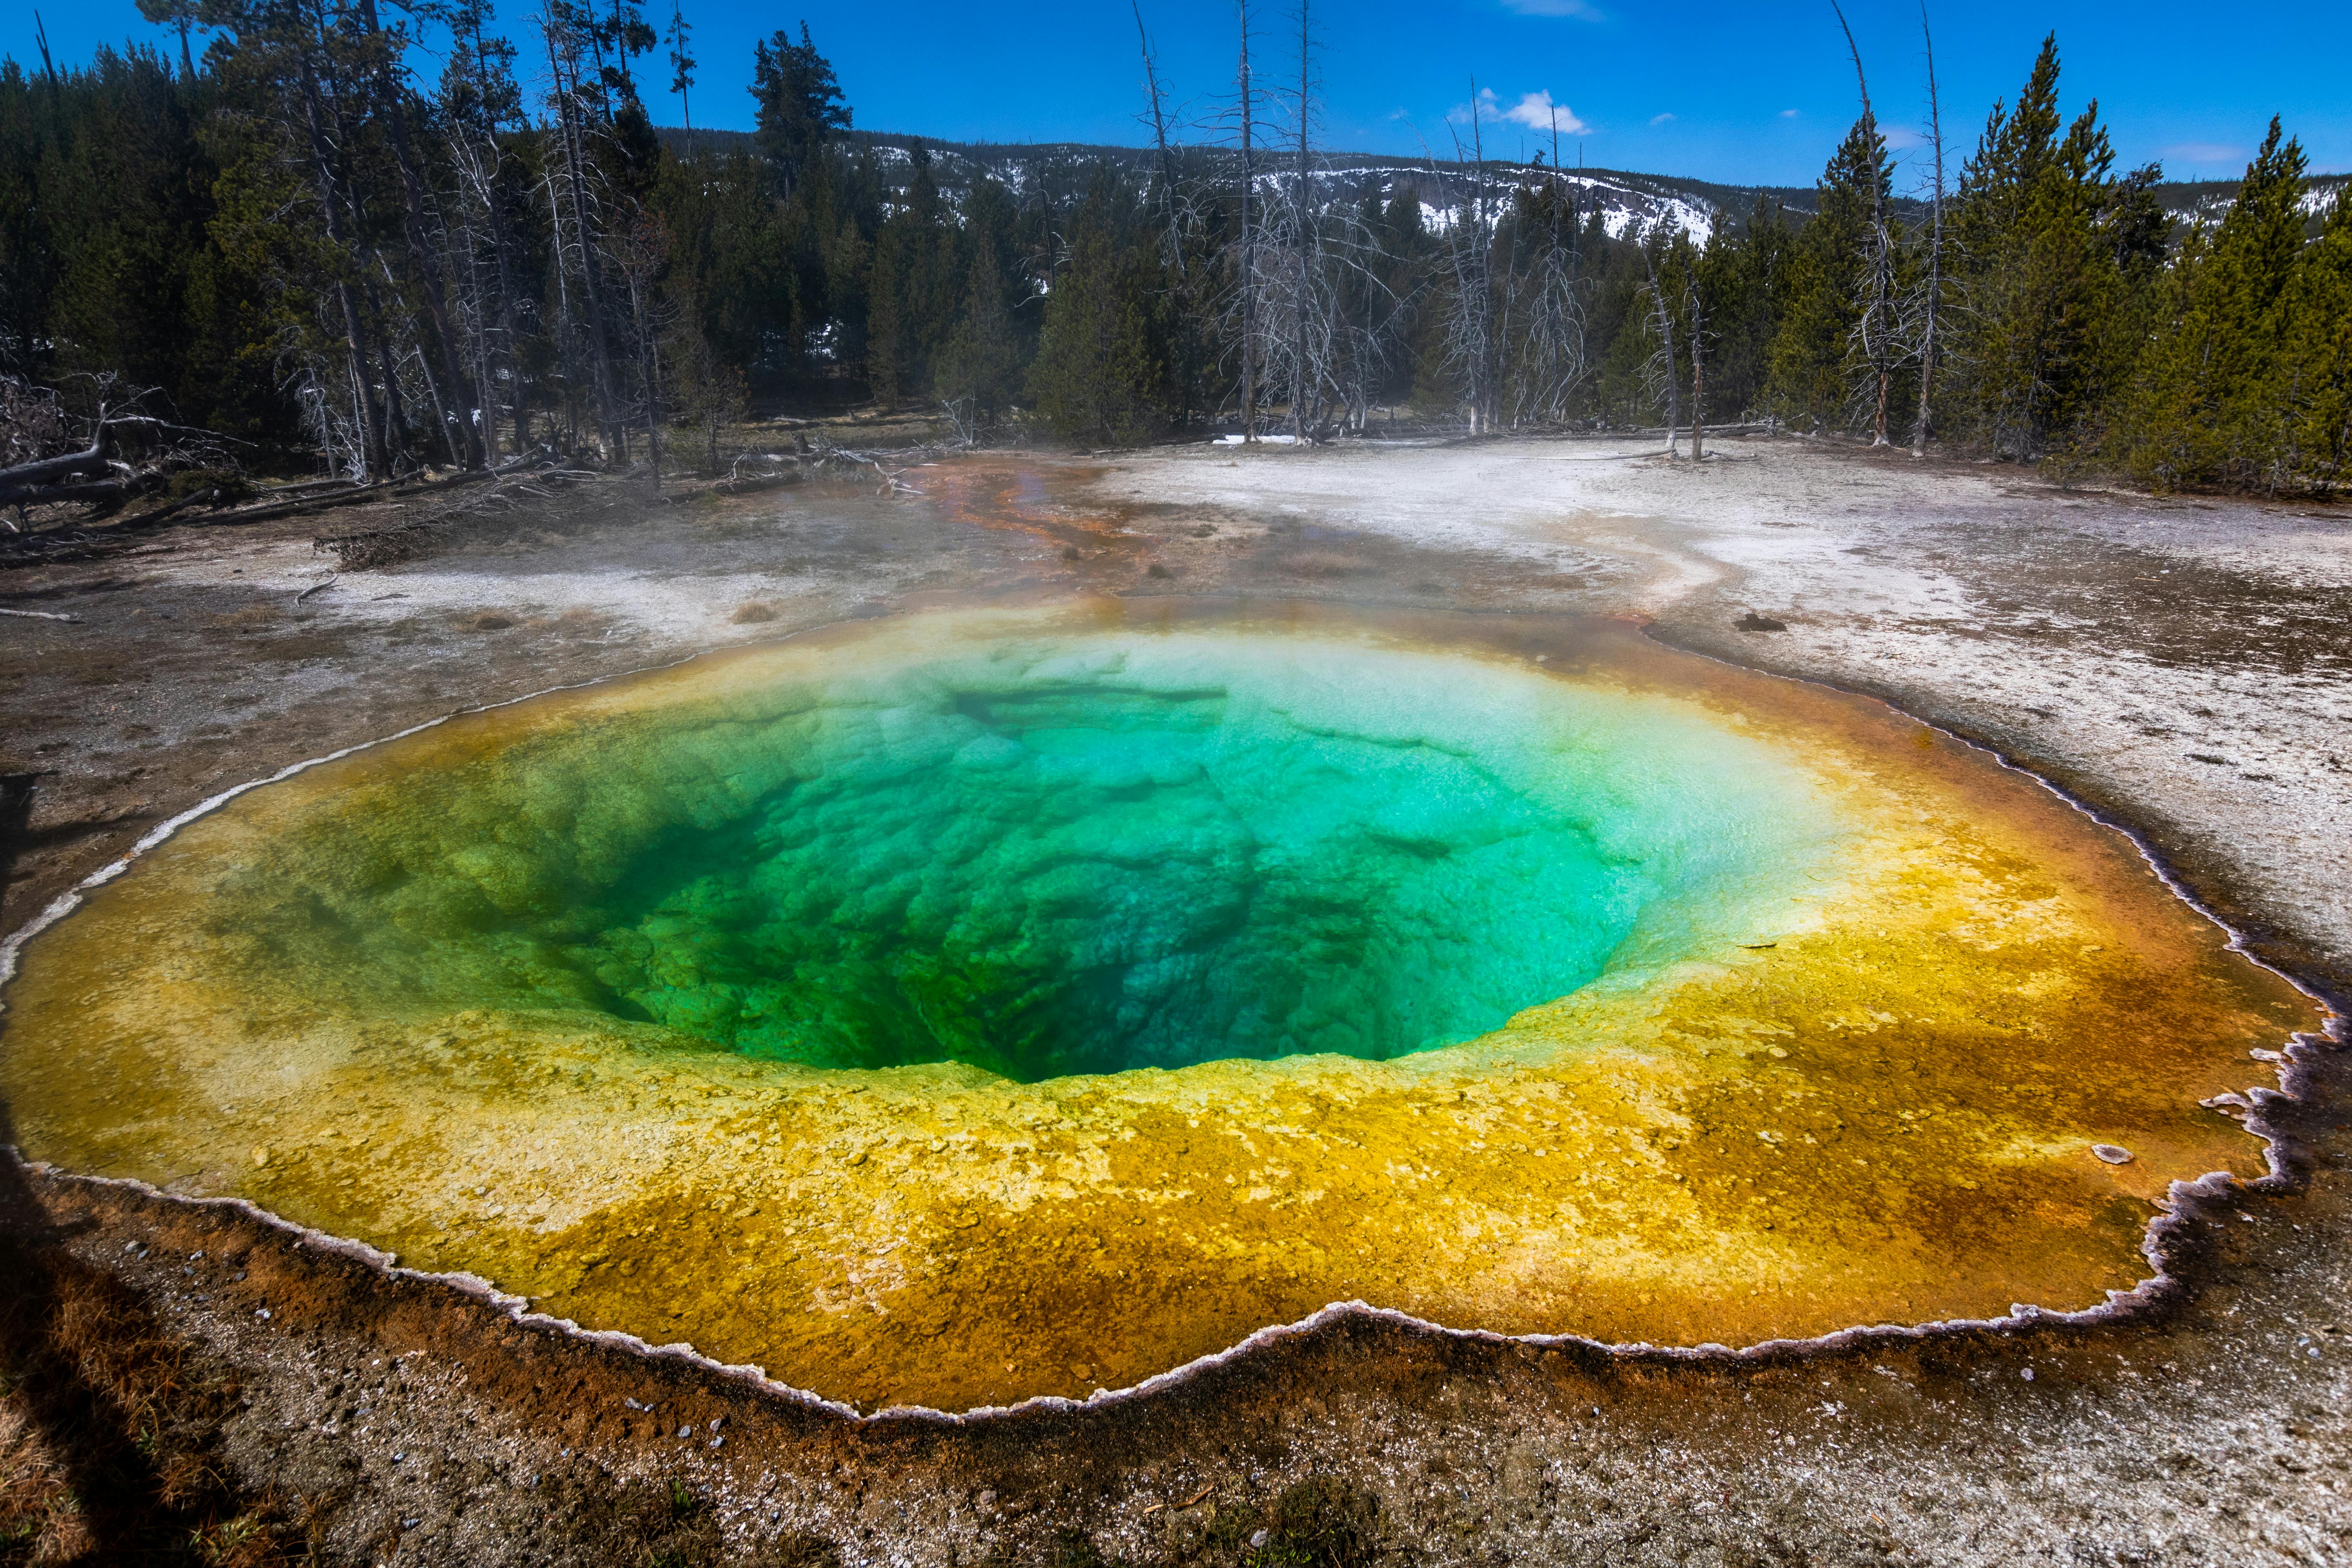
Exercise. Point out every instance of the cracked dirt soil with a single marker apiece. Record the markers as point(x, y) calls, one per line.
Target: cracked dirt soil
point(2182, 666)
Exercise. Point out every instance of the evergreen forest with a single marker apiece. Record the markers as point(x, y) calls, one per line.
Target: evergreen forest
point(275, 227)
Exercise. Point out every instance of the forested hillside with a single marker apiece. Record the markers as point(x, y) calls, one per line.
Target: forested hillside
point(288, 238)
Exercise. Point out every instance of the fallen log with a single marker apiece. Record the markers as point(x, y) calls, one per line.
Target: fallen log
point(81, 544)
point(26, 480)
point(362, 548)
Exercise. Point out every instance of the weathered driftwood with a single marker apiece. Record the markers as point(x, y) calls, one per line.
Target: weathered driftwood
point(77, 544)
point(362, 548)
point(97, 472)
point(26, 481)
point(821, 460)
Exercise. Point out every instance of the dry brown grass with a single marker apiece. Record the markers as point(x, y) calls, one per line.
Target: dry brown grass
point(40, 1518)
point(107, 1432)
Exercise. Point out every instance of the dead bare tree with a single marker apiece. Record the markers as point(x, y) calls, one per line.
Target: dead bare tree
point(1180, 230)
point(372, 420)
point(1548, 358)
point(580, 249)
point(1469, 319)
point(1663, 370)
point(128, 452)
point(1932, 293)
point(32, 421)
point(1158, 136)
point(1304, 253)
point(1249, 246)
point(389, 49)
point(1874, 331)
point(638, 255)
point(1365, 295)
point(480, 102)
point(1304, 204)
point(526, 481)
point(1695, 311)
point(477, 237)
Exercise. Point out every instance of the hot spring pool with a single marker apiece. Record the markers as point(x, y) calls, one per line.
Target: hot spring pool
point(977, 1004)
point(1070, 854)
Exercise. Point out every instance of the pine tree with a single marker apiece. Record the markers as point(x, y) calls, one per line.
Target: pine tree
point(1744, 275)
point(29, 250)
point(915, 290)
point(1101, 372)
point(800, 104)
point(128, 205)
point(732, 260)
point(2041, 231)
point(2204, 409)
point(300, 247)
point(2313, 379)
point(982, 361)
point(1814, 355)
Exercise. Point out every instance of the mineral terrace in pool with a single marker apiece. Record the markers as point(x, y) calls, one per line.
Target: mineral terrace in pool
point(956, 1008)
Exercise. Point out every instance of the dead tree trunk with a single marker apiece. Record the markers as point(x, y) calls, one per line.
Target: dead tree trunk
point(1301, 383)
point(1665, 371)
point(395, 415)
point(473, 295)
point(425, 370)
point(642, 253)
point(374, 438)
point(474, 151)
point(1189, 337)
point(1470, 250)
point(25, 480)
point(1159, 132)
point(97, 472)
point(1874, 329)
point(1929, 344)
point(1663, 319)
point(572, 139)
point(1697, 313)
point(461, 442)
point(1249, 252)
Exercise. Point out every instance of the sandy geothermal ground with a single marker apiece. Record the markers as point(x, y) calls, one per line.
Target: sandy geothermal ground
point(2183, 666)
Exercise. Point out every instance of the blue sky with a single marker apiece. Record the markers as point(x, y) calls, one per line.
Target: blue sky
point(1755, 92)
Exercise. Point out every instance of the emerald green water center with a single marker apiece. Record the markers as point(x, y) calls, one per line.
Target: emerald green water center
point(1088, 878)
point(1060, 857)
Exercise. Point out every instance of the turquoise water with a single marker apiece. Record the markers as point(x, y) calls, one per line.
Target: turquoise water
point(1068, 856)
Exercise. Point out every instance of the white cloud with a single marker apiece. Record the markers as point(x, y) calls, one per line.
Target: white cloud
point(1660, 119)
point(1536, 111)
point(1787, 114)
point(1581, 10)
